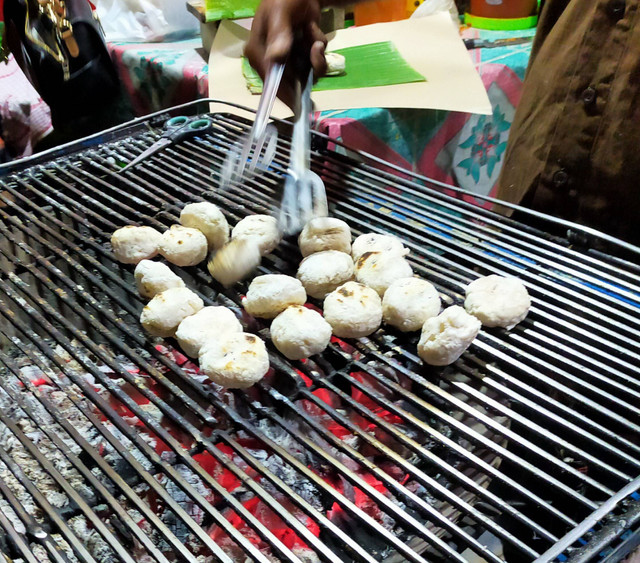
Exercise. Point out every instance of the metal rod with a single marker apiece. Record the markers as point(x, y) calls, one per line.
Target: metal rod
point(584, 526)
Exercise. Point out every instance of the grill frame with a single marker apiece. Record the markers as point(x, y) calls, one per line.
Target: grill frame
point(448, 276)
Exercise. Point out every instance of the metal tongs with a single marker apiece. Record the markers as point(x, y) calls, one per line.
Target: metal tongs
point(304, 195)
point(259, 147)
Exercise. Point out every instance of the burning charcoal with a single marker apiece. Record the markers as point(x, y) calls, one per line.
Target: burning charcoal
point(92, 539)
point(306, 555)
point(127, 473)
point(193, 509)
point(307, 490)
point(17, 524)
point(40, 553)
point(418, 489)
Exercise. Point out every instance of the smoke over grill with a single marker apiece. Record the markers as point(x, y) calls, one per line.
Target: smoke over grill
point(113, 447)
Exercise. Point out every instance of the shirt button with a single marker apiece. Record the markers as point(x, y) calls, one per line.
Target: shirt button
point(560, 178)
point(589, 96)
point(617, 9)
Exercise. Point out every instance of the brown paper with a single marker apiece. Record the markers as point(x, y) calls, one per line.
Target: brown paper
point(431, 45)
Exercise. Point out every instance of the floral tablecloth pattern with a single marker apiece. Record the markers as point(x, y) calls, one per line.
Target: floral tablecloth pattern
point(161, 75)
point(462, 149)
point(465, 150)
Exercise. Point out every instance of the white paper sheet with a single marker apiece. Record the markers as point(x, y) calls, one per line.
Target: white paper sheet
point(431, 45)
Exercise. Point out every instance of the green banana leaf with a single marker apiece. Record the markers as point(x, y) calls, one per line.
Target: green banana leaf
point(374, 64)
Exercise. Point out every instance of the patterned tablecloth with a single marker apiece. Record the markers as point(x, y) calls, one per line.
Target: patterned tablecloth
point(161, 75)
point(462, 149)
point(458, 148)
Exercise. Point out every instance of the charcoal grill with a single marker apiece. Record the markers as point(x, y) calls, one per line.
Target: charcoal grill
point(114, 448)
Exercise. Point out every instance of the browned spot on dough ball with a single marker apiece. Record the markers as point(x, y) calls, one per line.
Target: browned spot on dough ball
point(363, 259)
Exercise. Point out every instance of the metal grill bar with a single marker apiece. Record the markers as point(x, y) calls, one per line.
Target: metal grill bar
point(149, 395)
point(517, 399)
point(98, 460)
point(154, 399)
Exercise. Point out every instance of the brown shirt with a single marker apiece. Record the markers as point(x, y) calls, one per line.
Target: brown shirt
point(574, 147)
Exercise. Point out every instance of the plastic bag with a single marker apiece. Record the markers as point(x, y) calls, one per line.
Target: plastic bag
point(146, 20)
point(430, 7)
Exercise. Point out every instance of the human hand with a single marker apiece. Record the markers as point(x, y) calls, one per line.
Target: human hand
point(287, 30)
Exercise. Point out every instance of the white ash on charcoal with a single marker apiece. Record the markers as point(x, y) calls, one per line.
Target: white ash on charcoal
point(94, 542)
point(27, 464)
point(39, 552)
point(186, 502)
point(113, 458)
point(150, 531)
point(300, 485)
point(23, 497)
point(305, 555)
point(9, 513)
point(62, 546)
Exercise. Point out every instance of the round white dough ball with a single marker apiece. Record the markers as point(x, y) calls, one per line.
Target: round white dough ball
point(207, 324)
point(325, 233)
point(234, 261)
point(497, 301)
point(378, 270)
point(374, 242)
point(336, 64)
point(409, 302)
point(263, 229)
point(299, 332)
point(209, 220)
point(131, 244)
point(154, 277)
point(236, 361)
point(444, 338)
point(271, 294)
point(162, 315)
point(183, 246)
point(353, 310)
point(322, 272)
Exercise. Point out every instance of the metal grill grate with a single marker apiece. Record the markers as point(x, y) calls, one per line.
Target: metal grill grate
point(116, 449)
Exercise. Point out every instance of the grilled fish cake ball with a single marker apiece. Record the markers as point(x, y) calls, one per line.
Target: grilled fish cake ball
point(154, 277)
point(322, 272)
point(131, 244)
point(409, 302)
point(378, 270)
point(325, 233)
point(236, 361)
point(263, 229)
point(299, 332)
point(353, 310)
point(497, 301)
point(271, 294)
point(234, 261)
point(374, 242)
point(445, 338)
point(183, 246)
point(207, 324)
point(162, 315)
point(209, 220)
